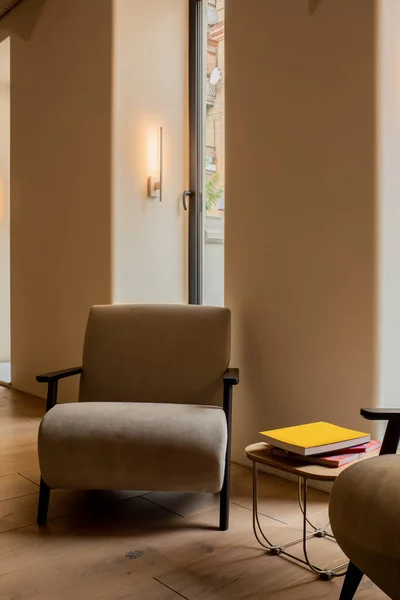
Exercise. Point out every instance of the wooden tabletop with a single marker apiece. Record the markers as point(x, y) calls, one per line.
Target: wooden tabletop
point(262, 453)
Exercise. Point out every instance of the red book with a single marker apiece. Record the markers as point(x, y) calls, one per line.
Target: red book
point(363, 448)
point(330, 460)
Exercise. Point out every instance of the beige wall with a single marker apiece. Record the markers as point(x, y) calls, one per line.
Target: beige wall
point(60, 179)
point(150, 90)
point(68, 170)
point(4, 201)
point(300, 209)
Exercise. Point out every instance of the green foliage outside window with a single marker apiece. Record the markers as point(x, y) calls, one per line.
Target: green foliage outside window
point(214, 191)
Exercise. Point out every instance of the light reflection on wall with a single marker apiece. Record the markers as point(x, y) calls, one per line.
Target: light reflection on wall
point(2, 200)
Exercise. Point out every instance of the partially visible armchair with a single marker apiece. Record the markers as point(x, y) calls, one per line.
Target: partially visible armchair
point(365, 513)
point(155, 405)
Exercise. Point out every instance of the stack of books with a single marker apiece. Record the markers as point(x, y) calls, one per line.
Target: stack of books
point(320, 444)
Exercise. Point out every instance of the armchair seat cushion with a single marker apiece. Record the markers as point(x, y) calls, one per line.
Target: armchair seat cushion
point(365, 518)
point(133, 445)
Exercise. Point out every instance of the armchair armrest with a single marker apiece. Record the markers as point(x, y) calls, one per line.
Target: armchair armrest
point(231, 376)
point(381, 414)
point(52, 379)
point(57, 375)
point(391, 439)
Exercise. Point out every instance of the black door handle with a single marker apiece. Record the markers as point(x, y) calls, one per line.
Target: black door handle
point(185, 194)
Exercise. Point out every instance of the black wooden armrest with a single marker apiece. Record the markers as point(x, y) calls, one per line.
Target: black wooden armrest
point(52, 379)
point(390, 442)
point(381, 414)
point(57, 375)
point(231, 376)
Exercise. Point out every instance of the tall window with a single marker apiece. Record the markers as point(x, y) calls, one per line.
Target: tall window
point(207, 173)
point(214, 154)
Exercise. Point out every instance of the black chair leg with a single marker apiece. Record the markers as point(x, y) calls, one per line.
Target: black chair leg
point(225, 500)
point(44, 499)
point(351, 582)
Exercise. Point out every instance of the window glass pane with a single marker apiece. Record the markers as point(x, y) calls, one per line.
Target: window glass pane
point(214, 155)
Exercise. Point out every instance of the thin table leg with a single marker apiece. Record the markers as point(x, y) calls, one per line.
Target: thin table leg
point(281, 549)
point(256, 520)
point(326, 574)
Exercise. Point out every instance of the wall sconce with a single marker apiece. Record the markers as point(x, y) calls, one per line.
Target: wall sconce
point(155, 183)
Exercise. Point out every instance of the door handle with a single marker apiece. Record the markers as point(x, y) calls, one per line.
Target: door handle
point(185, 194)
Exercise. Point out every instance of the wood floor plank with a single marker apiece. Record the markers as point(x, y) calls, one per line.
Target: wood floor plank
point(244, 572)
point(322, 552)
point(18, 461)
point(32, 475)
point(145, 590)
point(310, 587)
point(81, 557)
point(15, 486)
point(127, 545)
point(86, 505)
point(20, 512)
point(31, 406)
point(24, 404)
point(138, 528)
point(71, 580)
point(11, 393)
point(239, 572)
point(95, 556)
point(10, 418)
point(277, 496)
point(83, 585)
point(235, 465)
point(18, 445)
point(185, 505)
point(11, 428)
point(18, 437)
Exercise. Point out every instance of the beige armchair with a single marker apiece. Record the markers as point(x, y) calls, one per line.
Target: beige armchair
point(154, 410)
point(365, 515)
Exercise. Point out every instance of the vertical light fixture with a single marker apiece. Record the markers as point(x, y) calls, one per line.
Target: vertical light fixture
point(155, 183)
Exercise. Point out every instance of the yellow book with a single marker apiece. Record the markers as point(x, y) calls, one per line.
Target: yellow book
point(315, 438)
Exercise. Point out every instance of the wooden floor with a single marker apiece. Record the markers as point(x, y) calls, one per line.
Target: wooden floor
point(150, 546)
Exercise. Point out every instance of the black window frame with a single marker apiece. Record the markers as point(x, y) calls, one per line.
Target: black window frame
point(196, 145)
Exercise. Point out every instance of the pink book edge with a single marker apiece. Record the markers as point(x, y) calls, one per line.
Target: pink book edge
point(363, 448)
point(332, 461)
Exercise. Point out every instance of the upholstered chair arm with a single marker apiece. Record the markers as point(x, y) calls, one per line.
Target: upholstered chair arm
point(391, 440)
point(52, 379)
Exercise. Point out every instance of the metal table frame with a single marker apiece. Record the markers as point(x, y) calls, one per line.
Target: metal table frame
point(281, 549)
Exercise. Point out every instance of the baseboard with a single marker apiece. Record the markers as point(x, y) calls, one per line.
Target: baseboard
point(318, 485)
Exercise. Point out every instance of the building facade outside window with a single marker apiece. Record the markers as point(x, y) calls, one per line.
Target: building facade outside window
point(214, 154)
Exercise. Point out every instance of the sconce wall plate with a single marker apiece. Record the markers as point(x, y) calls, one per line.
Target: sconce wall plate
point(153, 187)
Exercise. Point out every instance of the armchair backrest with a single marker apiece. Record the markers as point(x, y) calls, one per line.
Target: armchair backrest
point(155, 353)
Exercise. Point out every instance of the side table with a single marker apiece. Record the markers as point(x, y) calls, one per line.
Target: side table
point(261, 454)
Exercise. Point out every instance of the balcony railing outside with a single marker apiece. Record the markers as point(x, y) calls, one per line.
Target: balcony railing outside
point(211, 93)
point(211, 155)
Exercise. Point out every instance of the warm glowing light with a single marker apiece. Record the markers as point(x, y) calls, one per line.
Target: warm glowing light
point(153, 153)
